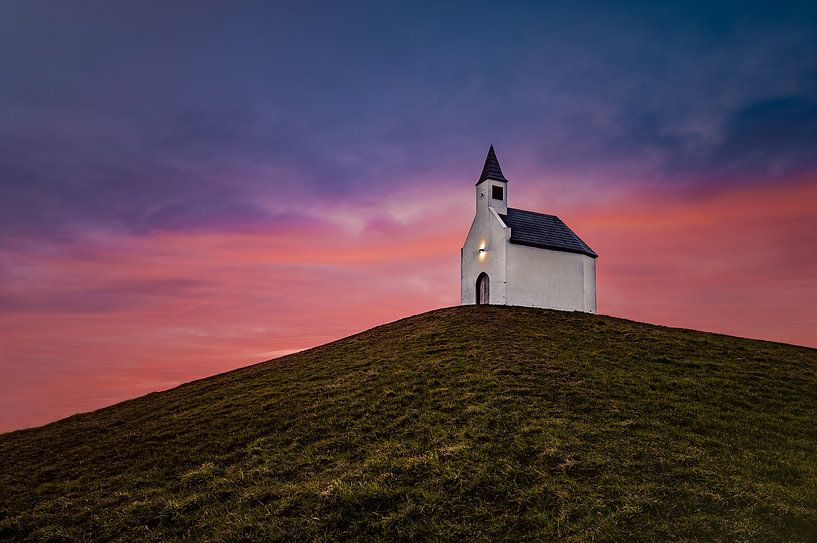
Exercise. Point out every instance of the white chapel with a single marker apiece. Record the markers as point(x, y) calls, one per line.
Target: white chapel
point(516, 257)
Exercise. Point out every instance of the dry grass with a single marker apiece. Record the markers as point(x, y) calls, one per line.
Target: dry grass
point(474, 423)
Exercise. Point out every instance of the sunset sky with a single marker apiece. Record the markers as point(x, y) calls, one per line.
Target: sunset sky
point(192, 188)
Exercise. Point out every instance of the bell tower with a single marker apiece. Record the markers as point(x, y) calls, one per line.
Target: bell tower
point(492, 187)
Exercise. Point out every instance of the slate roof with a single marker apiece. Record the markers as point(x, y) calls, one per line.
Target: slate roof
point(491, 170)
point(544, 231)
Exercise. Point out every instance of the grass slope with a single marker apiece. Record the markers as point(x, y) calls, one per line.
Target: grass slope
point(472, 423)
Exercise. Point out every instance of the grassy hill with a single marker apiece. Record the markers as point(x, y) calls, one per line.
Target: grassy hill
point(471, 423)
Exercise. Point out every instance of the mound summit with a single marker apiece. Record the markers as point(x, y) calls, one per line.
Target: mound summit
point(478, 423)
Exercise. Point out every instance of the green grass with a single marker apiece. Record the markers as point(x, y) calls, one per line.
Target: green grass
point(463, 424)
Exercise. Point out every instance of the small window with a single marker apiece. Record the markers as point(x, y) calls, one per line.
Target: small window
point(497, 193)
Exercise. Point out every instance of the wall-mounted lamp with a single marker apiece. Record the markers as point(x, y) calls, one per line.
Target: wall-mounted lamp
point(481, 250)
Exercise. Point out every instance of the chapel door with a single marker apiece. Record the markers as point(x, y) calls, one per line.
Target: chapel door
point(483, 292)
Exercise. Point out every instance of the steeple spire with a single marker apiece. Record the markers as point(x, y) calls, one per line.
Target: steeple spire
point(491, 170)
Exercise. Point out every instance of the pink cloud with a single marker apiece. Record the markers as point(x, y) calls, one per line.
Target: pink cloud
point(739, 262)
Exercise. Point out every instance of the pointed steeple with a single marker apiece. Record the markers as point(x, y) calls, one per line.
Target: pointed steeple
point(491, 170)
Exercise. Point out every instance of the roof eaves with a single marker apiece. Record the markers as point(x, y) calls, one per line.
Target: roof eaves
point(553, 248)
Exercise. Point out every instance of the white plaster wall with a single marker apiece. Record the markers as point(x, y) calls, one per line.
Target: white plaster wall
point(552, 279)
point(484, 198)
point(487, 232)
point(589, 284)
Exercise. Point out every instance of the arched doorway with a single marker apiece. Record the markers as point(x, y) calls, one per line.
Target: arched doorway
point(483, 289)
